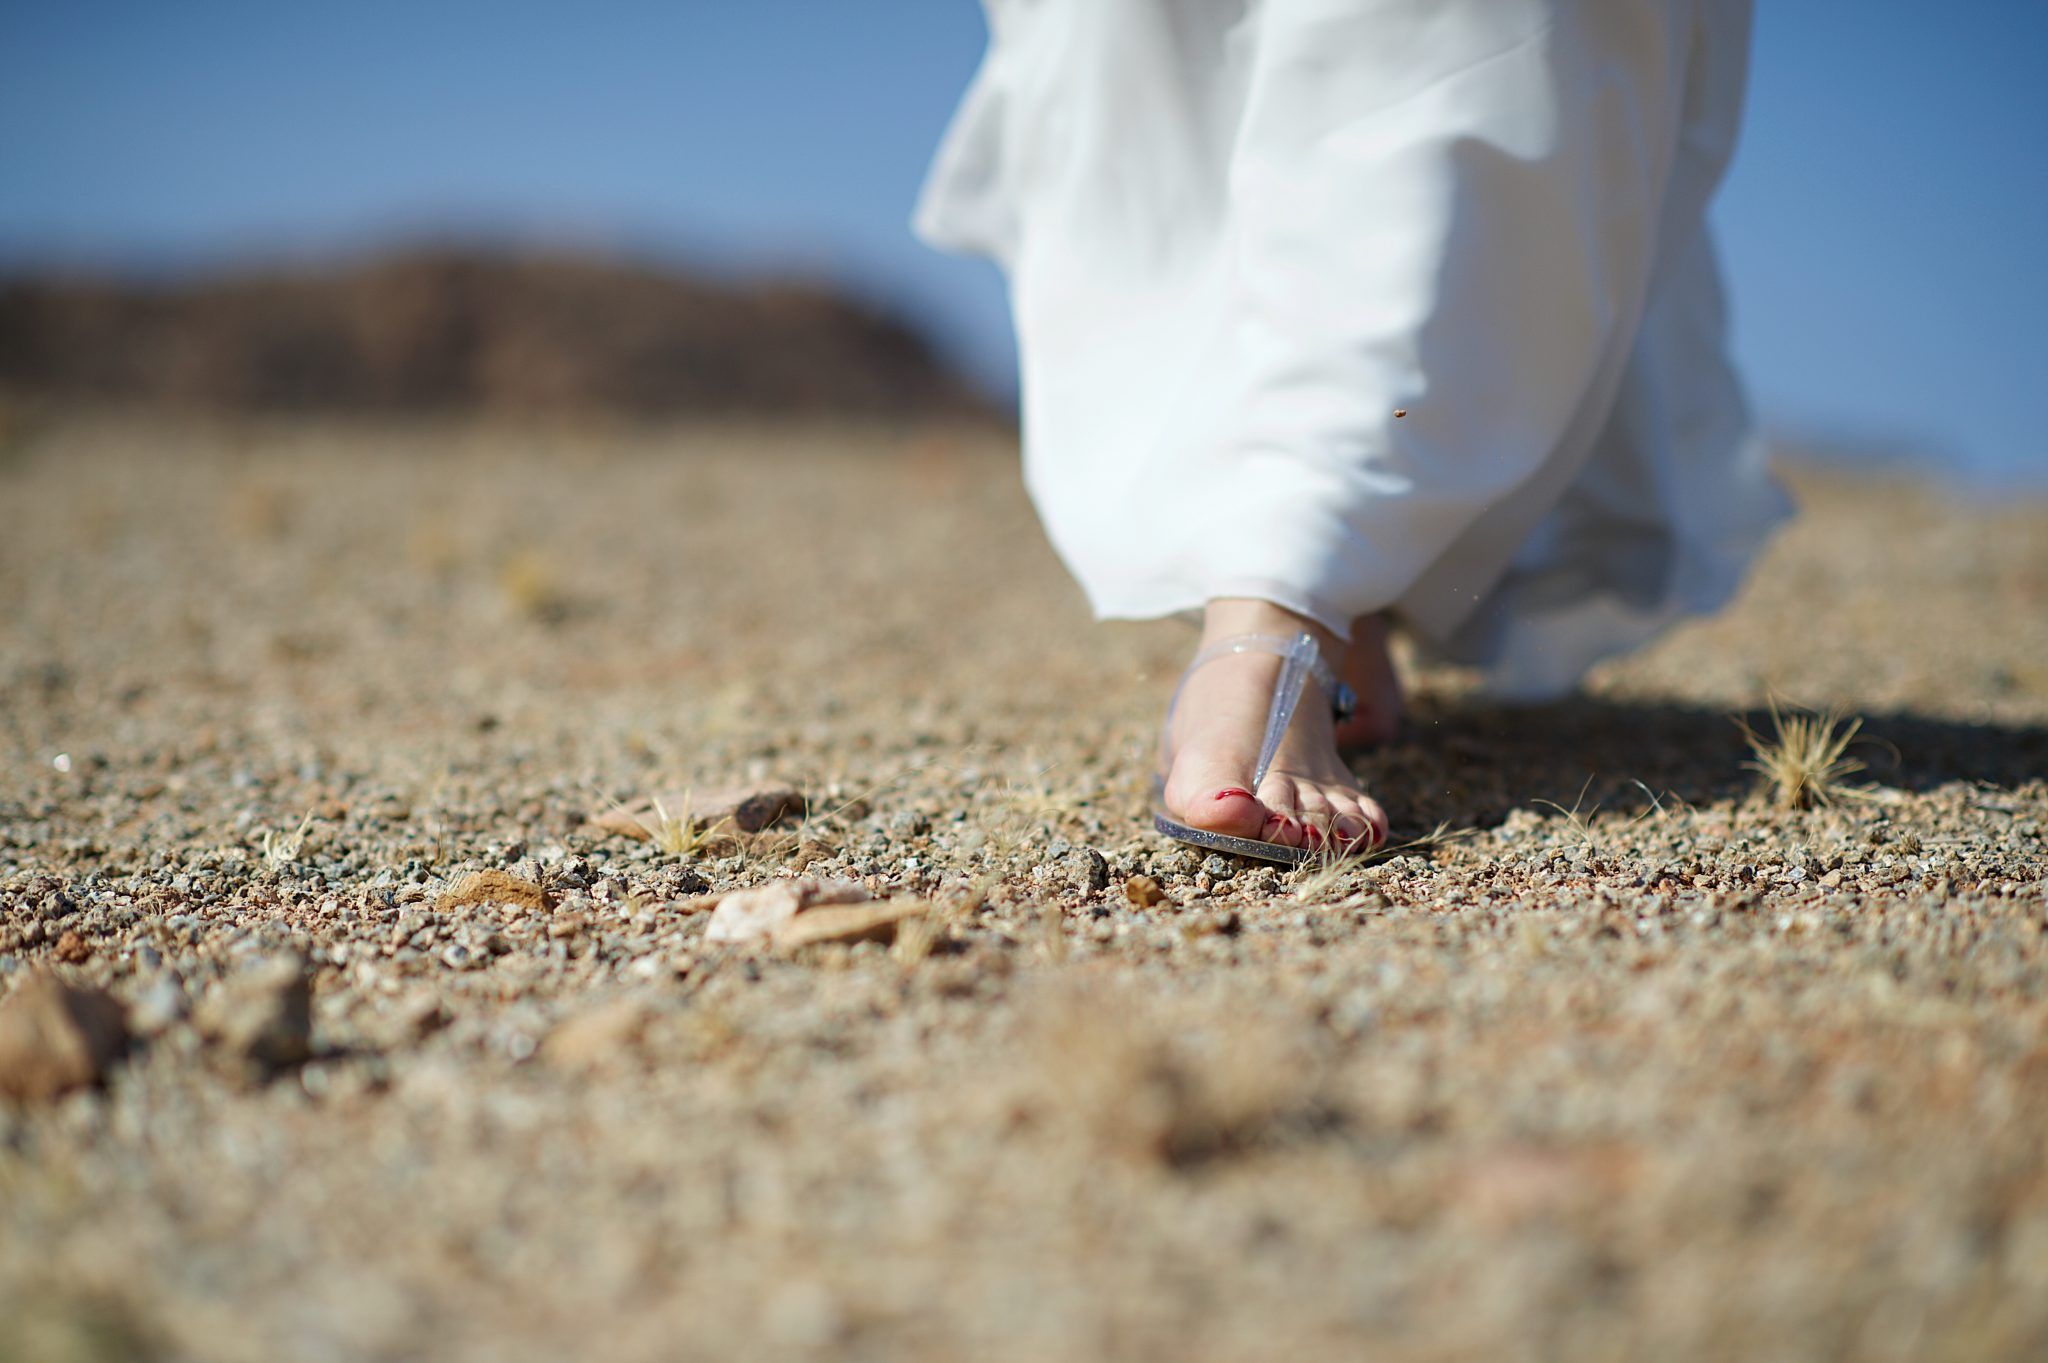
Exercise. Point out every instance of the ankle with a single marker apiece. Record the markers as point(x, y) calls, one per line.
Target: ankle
point(1229, 615)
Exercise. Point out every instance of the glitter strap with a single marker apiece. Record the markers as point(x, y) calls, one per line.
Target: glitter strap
point(1300, 662)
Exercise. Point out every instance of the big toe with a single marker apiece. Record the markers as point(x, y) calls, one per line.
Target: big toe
point(1215, 799)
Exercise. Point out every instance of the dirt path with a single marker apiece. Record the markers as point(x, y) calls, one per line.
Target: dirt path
point(1631, 1065)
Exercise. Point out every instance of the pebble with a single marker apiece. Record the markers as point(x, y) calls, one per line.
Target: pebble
point(262, 1018)
point(56, 1037)
point(1144, 891)
point(848, 923)
point(754, 915)
point(1087, 868)
point(493, 887)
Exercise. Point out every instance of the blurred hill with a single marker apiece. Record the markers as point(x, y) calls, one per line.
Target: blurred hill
point(449, 330)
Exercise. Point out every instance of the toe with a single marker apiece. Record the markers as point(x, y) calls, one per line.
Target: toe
point(1354, 826)
point(1316, 815)
point(1215, 801)
point(1360, 823)
point(1283, 804)
point(1382, 827)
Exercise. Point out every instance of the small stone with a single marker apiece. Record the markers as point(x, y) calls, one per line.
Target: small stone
point(1258, 880)
point(755, 915)
point(72, 949)
point(686, 883)
point(56, 1036)
point(1219, 867)
point(810, 850)
point(1087, 868)
point(1144, 891)
point(263, 1017)
point(493, 887)
point(752, 811)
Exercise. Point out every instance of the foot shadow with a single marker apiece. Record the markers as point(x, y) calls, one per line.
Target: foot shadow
point(1469, 763)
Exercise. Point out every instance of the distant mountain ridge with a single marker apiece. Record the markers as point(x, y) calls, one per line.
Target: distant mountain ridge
point(458, 330)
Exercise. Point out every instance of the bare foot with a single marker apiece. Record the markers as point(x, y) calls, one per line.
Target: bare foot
point(1369, 668)
point(1309, 798)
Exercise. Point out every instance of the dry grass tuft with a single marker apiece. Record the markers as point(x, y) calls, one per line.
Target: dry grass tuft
point(1331, 878)
point(677, 833)
point(1805, 757)
point(282, 849)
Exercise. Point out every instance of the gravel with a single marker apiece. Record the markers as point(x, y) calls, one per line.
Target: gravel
point(1608, 1058)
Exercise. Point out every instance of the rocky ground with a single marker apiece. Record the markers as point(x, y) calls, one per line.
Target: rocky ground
point(1613, 1060)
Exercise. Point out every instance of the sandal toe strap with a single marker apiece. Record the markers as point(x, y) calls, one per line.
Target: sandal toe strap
point(1343, 700)
point(1301, 662)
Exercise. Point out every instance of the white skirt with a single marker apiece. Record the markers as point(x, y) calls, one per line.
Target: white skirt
point(1363, 305)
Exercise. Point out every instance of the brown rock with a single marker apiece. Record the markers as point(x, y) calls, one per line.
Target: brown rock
point(262, 1018)
point(1144, 891)
point(757, 914)
point(850, 923)
point(56, 1036)
point(743, 809)
point(493, 887)
point(72, 949)
point(752, 811)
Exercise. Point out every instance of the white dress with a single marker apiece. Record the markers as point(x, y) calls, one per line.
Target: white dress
point(1361, 305)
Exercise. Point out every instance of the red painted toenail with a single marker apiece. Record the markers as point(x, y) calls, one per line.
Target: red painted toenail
point(1234, 790)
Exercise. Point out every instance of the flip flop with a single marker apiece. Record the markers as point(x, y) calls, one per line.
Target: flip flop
point(1301, 662)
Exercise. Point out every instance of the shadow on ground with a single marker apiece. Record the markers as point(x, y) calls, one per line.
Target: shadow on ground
point(1470, 764)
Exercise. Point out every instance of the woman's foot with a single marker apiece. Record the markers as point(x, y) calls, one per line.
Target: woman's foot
point(1309, 798)
point(1369, 668)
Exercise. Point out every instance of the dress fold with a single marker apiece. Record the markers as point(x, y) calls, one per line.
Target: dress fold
point(1362, 305)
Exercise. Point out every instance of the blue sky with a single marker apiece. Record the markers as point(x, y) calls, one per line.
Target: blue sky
point(1883, 228)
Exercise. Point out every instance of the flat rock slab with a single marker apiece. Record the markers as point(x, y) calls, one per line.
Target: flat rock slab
point(741, 809)
point(493, 887)
point(758, 914)
point(847, 923)
point(56, 1036)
